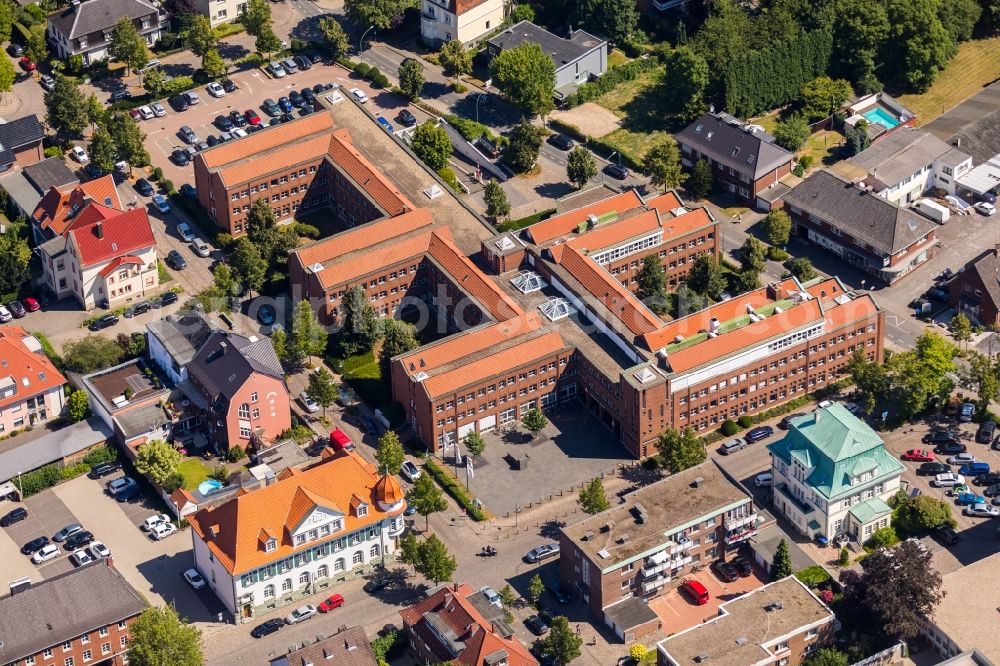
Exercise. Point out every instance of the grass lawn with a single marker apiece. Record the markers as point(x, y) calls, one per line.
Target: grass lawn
point(194, 472)
point(616, 58)
point(975, 66)
point(364, 375)
point(637, 102)
point(822, 146)
point(624, 93)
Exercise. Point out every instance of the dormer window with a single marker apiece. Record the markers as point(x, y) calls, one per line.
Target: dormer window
point(270, 545)
point(362, 510)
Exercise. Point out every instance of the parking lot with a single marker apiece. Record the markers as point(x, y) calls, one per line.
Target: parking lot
point(679, 612)
point(46, 515)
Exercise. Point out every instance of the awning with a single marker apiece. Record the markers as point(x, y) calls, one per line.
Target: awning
point(658, 558)
point(813, 525)
point(983, 178)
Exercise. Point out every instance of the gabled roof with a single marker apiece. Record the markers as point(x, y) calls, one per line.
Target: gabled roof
point(348, 647)
point(17, 134)
point(226, 361)
point(729, 143)
point(562, 51)
point(119, 261)
point(97, 15)
point(24, 365)
point(58, 208)
point(470, 279)
point(840, 446)
point(232, 529)
point(987, 267)
point(866, 216)
point(566, 223)
point(181, 334)
point(64, 607)
point(360, 237)
point(454, 630)
point(112, 237)
point(901, 154)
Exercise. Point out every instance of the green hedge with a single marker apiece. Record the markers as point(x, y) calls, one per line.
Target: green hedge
point(35, 482)
point(448, 176)
point(455, 489)
point(471, 130)
point(610, 80)
point(49, 350)
point(813, 576)
point(514, 225)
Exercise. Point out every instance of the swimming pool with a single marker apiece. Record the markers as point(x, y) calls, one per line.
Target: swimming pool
point(882, 117)
point(208, 487)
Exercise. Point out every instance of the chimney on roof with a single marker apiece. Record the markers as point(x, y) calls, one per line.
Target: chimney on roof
point(817, 414)
point(99, 229)
point(697, 482)
point(222, 347)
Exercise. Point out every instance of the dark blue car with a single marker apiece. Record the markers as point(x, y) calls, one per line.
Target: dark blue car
point(285, 104)
point(759, 433)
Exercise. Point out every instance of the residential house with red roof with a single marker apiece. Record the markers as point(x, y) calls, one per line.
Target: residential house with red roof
point(301, 532)
point(31, 389)
point(59, 206)
point(463, 20)
point(447, 627)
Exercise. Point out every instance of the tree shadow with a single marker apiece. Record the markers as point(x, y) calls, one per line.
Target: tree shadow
point(232, 52)
point(645, 112)
point(434, 90)
point(550, 529)
point(179, 69)
point(554, 190)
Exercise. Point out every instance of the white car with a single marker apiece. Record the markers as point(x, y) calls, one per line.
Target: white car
point(184, 231)
point(491, 595)
point(163, 530)
point(158, 110)
point(311, 406)
point(962, 459)
point(99, 551)
point(981, 510)
point(239, 133)
point(410, 471)
point(49, 552)
point(80, 155)
point(948, 480)
point(146, 112)
point(200, 247)
point(359, 95)
point(80, 557)
point(5, 315)
point(300, 614)
point(985, 208)
point(194, 579)
point(276, 70)
point(153, 521)
point(216, 90)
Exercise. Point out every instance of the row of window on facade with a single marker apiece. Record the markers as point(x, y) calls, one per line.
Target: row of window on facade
point(503, 383)
point(323, 571)
point(87, 654)
point(317, 553)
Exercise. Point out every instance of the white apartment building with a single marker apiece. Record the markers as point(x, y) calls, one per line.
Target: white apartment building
point(465, 20)
point(221, 11)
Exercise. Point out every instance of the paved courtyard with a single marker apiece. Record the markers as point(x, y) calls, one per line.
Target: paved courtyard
point(572, 449)
point(679, 612)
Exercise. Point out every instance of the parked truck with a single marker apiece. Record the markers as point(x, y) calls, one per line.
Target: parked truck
point(935, 211)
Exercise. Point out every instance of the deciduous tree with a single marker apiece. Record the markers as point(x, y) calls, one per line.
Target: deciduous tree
point(823, 95)
point(129, 140)
point(920, 375)
point(248, 266)
point(160, 638)
point(615, 19)
point(534, 421)
point(36, 47)
point(435, 562)
point(918, 515)
point(307, 337)
point(781, 565)
point(15, 258)
point(580, 166)
point(200, 37)
point(752, 254)
point(256, 18)
point(102, 149)
point(390, 455)
point(562, 643)
point(663, 164)
point(918, 43)
point(382, 14)
point(524, 143)
point(77, 406)
point(66, 107)
point(699, 184)
point(535, 588)
point(981, 374)
point(127, 45)
point(8, 10)
point(652, 283)
point(507, 600)
point(7, 73)
point(959, 18)
point(961, 328)
point(791, 133)
point(869, 378)
point(411, 78)
point(455, 58)
point(157, 459)
point(398, 337)
point(802, 268)
point(96, 111)
point(527, 77)
point(475, 444)
point(706, 276)
point(154, 81)
point(592, 498)
point(322, 388)
point(679, 450)
point(431, 144)
point(361, 329)
point(426, 498)
point(685, 80)
point(91, 353)
point(267, 41)
point(213, 64)
point(777, 227)
point(333, 33)
point(859, 30)
point(827, 656)
point(497, 205)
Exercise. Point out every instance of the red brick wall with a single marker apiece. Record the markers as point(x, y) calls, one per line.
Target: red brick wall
point(968, 283)
point(267, 389)
point(95, 643)
point(28, 155)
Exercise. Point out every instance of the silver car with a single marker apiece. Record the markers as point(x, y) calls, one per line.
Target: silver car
point(543, 552)
point(981, 510)
point(301, 614)
point(276, 70)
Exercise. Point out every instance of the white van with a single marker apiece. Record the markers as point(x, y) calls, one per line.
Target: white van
point(762, 480)
point(935, 211)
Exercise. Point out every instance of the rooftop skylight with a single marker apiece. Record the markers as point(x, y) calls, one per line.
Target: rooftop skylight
point(556, 308)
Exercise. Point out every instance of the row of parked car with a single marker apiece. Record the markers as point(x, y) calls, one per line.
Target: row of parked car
point(78, 542)
point(17, 309)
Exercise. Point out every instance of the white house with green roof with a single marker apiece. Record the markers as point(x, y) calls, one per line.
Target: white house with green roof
point(832, 475)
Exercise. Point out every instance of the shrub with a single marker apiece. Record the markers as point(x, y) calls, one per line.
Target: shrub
point(298, 45)
point(826, 596)
point(610, 80)
point(168, 186)
point(107, 453)
point(373, 74)
point(306, 230)
point(251, 60)
point(362, 69)
point(745, 421)
point(172, 482)
point(845, 557)
point(883, 537)
point(451, 486)
point(176, 85)
point(776, 254)
point(53, 151)
point(235, 454)
point(157, 174)
point(729, 428)
point(813, 576)
point(798, 170)
point(459, 87)
point(448, 176)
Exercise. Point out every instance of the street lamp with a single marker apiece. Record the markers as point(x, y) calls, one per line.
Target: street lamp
point(361, 43)
point(479, 97)
point(517, 511)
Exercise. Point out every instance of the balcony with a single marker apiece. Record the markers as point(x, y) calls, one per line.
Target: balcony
point(740, 535)
point(654, 584)
point(396, 528)
point(735, 523)
point(651, 570)
point(681, 547)
point(681, 562)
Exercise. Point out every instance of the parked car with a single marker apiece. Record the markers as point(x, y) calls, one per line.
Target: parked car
point(334, 602)
point(290, 66)
point(27, 64)
point(786, 422)
point(180, 157)
point(743, 566)
point(542, 553)
point(406, 119)
point(975, 469)
point(31, 304)
point(961, 459)
point(120, 95)
point(146, 113)
point(267, 627)
point(359, 95)
point(377, 584)
point(696, 591)
point(561, 141)
point(153, 521)
point(34, 545)
point(188, 135)
point(158, 110)
point(490, 595)
point(536, 625)
point(162, 531)
point(755, 435)
point(16, 309)
point(918, 455)
point(266, 315)
point(80, 557)
point(946, 535)
point(285, 104)
point(966, 412)
point(558, 594)
point(187, 190)
point(200, 248)
point(409, 471)
point(385, 124)
point(5, 315)
point(733, 446)
point(616, 171)
point(981, 510)
point(988, 479)
point(270, 108)
point(229, 85)
point(144, 187)
point(79, 540)
point(963, 499)
point(184, 231)
point(950, 448)
point(215, 90)
point(46, 553)
point(275, 69)
point(194, 579)
point(726, 571)
point(947, 480)
point(122, 486)
point(79, 154)
point(101, 470)
point(239, 133)
point(223, 123)
point(179, 103)
point(763, 480)
point(192, 97)
point(175, 260)
point(296, 98)
point(67, 532)
point(932, 469)
point(161, 203)
point(985, 208)
point(47, 82)
point(308, 403)
point(250, 116)
point(984, 435)
point(15, 516)
point(168, 298)
point(301, 614)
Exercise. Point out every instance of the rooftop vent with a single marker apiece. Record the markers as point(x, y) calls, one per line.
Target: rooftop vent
point(641, 515)
point(774, 606)
point(556, 308)
point(697, 482)
point(587, 536)
point(433, 192)
point(701, 658)
point(504, 243)
point(316, 268)
point(605, 528)
point(662, 351)
point(742, 640)
point(645, 375)
point(714, 325)
point(777, 309)
point(528, 281)
point(623, 539)
point(603, 554)
point(420, 376)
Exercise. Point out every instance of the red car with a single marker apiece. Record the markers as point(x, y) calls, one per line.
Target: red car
point(336, 601)
point(31, 305)
point(27, 65)
point(251, 117)
point(918, 455)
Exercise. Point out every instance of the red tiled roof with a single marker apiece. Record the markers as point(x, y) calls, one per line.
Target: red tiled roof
point(258, 142)
point(232, 529)
point(664, 203)
point(566, 223)
point(451, 605)
point(428, 357)
point(523, 353)
point(378, 187)
point(362, 236)
point(617, 232)
point(55, 211)
point(470, 279)
point(120, 235)
point(31, 372)
point(622, 303)
point(854, 310)
point(284, 156)
point(826, 290)
point(91, 214)
point(115, 263)
point(375, 260)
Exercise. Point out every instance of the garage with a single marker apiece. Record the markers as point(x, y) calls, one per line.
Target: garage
point(487, 423)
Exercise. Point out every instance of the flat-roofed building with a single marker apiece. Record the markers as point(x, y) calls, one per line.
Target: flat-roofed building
point(780, 623)
point(644, 546)
point(969, 591)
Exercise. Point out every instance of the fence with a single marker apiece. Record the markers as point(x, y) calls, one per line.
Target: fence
point(888, 656)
